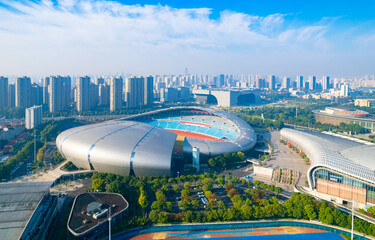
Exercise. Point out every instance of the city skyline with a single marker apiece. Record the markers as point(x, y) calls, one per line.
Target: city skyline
point(153, 37)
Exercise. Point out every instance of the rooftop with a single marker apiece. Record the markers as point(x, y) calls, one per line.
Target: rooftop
point(80, 222)
point(341, 153)
point(18, 202)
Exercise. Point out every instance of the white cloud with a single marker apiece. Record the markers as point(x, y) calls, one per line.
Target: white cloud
point(78, 36)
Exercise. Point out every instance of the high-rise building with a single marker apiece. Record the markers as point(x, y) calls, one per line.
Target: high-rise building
point(46, 83)
point(94, 95)
point(115, 93)
point(54, 92)
point(326, 83)
point(11, 95)
point(286, 83)
point(3, 93)
point(33, 117)
point(67, 90)
point(134, 92)
point(271, 82)
point(99, 81)
point(312, 84)
point(83, 94)
point(36, 94)
point(149, 90)
point(23, 92)
point(259, 83)
point(299, 81)
point(104, 95)
point(168, 94)
point(219, 80)
point(59, 93)
point(344, 91)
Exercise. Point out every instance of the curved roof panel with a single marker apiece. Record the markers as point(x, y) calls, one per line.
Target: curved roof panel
point(341, 154)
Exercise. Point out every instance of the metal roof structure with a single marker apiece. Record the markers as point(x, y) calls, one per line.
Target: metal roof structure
point(18, 202)
point(338, 153)
point(131, 145)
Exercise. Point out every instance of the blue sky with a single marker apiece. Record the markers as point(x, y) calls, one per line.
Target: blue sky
point(285, 38)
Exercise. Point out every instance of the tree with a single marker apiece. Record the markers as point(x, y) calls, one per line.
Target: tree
point(195, 204)
point(212, 163)
point(241, 155)
point(185, 194)
point(207, 184)
point(232, 192)
point(164, 188)
point(169, 206)
point(246, 212)
point(98, 185)
point(162, 217)
point(184, 204)
point(176, 188)
point(154, 215)
point(187, 186)
point(189, 216)
point(142, 200)
point(257, 183)
point(220, 181)
point(156, 205)
point(235, 179)
point(278, 190)
point(310, 211)
point(221, 205)
point(160, 196)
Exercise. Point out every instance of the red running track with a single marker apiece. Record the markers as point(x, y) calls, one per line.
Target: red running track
point(195, 135)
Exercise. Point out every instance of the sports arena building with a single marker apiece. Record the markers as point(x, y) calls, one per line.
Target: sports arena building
point(155, 143)
point(341, 168)
point(337, 115)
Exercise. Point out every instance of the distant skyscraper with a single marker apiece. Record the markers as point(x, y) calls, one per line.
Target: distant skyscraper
point(46, 83)
point(83, 94)
point(36, 94)
point(286, 82)
point(326, 83)
point(149, 90)
point(134, 92)
point(59, 92)
point(23, 92)
point(99, 81)
point(259, 83)
point(3, 92)
point(344, 91)
point(67, 89)
point(94, 95)
point(115, 93)
point(219, 80)
point(312, 84)
point(33, 117)
point(299, 81)
point(11, 95)
point(272, 82)
point(104, 95)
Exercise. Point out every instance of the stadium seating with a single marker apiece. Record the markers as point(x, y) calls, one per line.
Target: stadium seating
point(214, 126)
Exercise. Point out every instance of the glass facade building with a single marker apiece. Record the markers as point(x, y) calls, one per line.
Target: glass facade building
point(341, 167)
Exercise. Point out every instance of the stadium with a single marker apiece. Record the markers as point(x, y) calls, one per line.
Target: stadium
point(155, 143)
point(342, 168)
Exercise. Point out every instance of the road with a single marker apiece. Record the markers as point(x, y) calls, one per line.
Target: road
point(49, 160)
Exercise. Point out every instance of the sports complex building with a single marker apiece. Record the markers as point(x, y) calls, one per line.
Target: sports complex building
point(342, 169)
point(155, 143)
point(337, 115)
